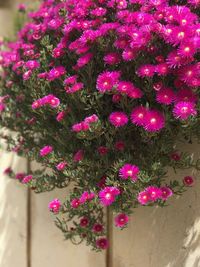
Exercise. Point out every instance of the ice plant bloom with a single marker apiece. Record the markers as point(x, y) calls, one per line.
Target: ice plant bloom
point(46, 150)
point(154, 192)
point(183, 110)
point(108, 195)
point(188, 180)
point(118, 119)
point(166, 192)
point(84, 222)
point(61, 166)
point(97, 228)
point(102, 243)
point(121, 220)
point(27, 179)
point(138, 115)
point(55, 205)
point(107, 80)
point(154, 121)
point(75, 203)
point(165, 96)
point(143, 198)
point(129, 171)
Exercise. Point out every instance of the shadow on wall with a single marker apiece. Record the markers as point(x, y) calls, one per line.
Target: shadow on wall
point(163, 237)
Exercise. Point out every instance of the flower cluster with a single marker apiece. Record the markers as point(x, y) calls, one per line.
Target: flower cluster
point(134, 63)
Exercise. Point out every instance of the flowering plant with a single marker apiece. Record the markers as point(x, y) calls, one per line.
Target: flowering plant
point(102, 92)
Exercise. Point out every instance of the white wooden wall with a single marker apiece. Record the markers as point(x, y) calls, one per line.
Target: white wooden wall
point(156, 237)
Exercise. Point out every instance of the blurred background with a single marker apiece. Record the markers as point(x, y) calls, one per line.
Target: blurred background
point(156, 237)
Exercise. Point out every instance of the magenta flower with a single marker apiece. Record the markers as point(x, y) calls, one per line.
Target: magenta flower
point(154, 121)
point(60, 116)
point(84, 222)
point(165, 96)
point(7, 171)
point(108, 195)
point(27, 179)
point(32, 64)
point(146, 71)
point(154, 193)
point(186, 95)
point(112, 58)
point(46, 150)
point(118, 119)
point(55, 205)
point(107, 80)
point(129, 171)
point(188, 180)
point(86, 196)
point(166, 192)
point(120, 145)
point(91, 119)
point(61, 166)
point(20, 176)
point(56, 73)
point(102, 243)
point(138, 115)
point(144, 198)
point(78, 156)
point(97, 228)
point(121, 220)
point(102, 150)
point(75, 203)
point(183, 110)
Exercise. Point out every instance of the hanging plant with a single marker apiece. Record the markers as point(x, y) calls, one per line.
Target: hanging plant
point(103, 93)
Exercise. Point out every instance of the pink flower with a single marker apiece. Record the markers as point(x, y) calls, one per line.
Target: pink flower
point(32, 64)
point(91, 119)
point(138, 115)
point(108, 195)
point(183, 110)
point(107, 80)
point(175, 156)
point(129, 171)
point(8, 171)
point(61, 166)
point(166, 192)
point(120, 145)
point(82, 61)
point(86, 196)
point(20, 176)
point(186, 95)
point(154, 121)
point(55, 205)
point(188, 181)
point(146, 71)
point(102, 150)
point(116, 98)
point(46, 150)
point(165, 96)
point(78, 156)
point(97, 228)
point(27, 179)
point(75, 203)
point(144, 198)
point(27, 75)
point(84, 222)
point(121, 220)
point(102, 243)
point(112, 58)
point(53, 101)
point(153, 192)
point(118, 119)
point(56, 73)
point(60, 116)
